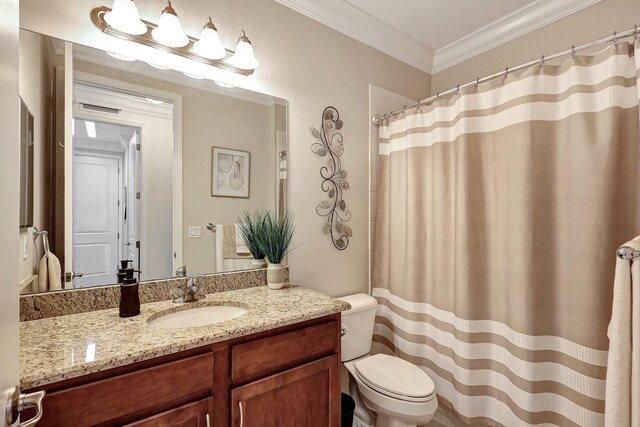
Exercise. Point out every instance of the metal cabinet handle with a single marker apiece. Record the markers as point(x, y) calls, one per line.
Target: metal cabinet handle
point(18, 402)
point(208, 420)
point(241, 415)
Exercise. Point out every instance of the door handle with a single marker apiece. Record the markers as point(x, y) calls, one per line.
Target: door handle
point(18, 402)
point(70, 276)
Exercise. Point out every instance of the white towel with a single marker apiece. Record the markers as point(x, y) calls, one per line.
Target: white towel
point(49, 273)
point(622, 404)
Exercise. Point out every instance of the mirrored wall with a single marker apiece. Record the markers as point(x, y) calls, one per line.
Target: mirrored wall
point(128, 161)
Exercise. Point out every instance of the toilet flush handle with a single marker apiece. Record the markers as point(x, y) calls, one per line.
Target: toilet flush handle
point(343, 331)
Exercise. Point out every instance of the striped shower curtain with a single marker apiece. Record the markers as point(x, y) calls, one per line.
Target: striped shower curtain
point(499, 213)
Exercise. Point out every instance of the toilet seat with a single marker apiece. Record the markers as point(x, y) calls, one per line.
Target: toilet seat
point(395, 378)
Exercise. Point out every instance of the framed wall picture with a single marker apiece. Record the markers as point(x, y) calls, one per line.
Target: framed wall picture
point(230, 172)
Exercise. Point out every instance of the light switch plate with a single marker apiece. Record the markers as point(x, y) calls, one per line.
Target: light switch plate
point(195, 231)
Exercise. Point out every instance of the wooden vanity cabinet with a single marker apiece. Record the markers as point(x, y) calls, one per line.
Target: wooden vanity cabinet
point(302, 396)
point(288, 376)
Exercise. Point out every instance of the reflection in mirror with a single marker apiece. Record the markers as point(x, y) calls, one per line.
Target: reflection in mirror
point(134, 162)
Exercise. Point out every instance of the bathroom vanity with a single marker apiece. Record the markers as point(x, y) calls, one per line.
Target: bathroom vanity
point(278, 364)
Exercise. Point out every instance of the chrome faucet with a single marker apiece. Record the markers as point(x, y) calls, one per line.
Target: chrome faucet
point(181, 271)
point(191, 293)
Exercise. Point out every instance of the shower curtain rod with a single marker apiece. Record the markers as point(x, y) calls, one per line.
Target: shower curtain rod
point(377, 119)
point(627, 253)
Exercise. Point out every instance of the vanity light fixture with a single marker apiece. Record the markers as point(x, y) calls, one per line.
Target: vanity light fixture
point(169, 30)
point(209, 45)
point(168, 36)
point(124, 17)
point(91, 129)
point(244, 57)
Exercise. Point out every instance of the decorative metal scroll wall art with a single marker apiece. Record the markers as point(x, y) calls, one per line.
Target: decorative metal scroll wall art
point(334, 179)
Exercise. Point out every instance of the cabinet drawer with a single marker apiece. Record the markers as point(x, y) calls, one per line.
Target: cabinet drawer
point(272, 354)
point(111, 398)
point(197, 414)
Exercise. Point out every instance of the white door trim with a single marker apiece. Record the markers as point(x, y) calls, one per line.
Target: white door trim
point(10, 196)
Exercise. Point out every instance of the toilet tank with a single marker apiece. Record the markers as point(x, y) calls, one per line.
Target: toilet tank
point(357, 325)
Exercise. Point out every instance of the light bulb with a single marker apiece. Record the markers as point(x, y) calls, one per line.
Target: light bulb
point(124, 17)
point(209, 46)
point(169, 31)
point(244, 58)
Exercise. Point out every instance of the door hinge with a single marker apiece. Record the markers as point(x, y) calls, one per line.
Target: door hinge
point(118, 202)
point(138, 244)
point(118, 236)
point(138, 195)
point(138, 147)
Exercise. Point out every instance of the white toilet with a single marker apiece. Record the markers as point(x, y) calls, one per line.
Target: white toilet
point(400, 393)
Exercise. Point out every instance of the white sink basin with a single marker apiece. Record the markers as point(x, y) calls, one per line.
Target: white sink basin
point(198, 316)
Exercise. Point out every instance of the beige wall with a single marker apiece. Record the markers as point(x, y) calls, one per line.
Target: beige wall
point(311, 66)
point(36, 71)
point(593, 23)
point(210, 119)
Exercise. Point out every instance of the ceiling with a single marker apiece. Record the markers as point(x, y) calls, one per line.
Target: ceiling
point(433, 35)
point(110, 137)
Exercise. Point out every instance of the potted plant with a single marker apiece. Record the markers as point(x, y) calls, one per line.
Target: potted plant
point(248, 227)
point(274, 238)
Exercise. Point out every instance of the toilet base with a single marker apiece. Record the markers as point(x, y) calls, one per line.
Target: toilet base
point(385, 421)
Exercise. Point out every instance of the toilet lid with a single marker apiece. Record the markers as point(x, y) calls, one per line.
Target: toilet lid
point(395, 377)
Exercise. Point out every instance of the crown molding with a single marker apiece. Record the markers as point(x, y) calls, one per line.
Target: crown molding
point(503, 30)
point(349, 20)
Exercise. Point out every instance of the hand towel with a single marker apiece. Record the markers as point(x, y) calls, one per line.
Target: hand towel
point(43, 275)
point(55, 272)
point(241, 247)
point(223, 248)
point(49, 273)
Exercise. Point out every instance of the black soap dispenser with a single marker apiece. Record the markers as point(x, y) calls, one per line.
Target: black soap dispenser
point(122, 270)
point(129, 296)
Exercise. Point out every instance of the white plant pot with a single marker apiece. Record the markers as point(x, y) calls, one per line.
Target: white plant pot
point(259, 263)
point(275, 276)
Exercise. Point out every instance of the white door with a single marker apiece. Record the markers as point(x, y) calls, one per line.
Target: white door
point(96, 222)
point(9, 194)
point(132, 214)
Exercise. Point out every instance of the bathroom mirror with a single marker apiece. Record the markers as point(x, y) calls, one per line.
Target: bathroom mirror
point(136, 162)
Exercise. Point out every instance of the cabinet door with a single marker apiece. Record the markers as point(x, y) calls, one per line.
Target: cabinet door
point(306, 396)
point(197, 414)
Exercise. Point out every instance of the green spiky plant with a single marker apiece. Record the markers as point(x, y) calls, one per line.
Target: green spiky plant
point(275, 236)
point(249, 227)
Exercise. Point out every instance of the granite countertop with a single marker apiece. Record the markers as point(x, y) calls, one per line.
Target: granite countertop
point(64, 347)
